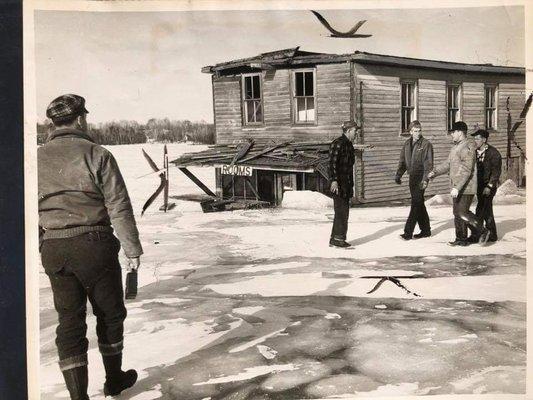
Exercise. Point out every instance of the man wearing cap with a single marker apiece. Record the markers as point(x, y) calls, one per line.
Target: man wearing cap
point(81, 196)
point(461, 166)
point(341, 162)
point(489, 168)
point(416, 157)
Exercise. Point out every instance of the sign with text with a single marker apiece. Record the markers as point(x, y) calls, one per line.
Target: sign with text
point(239, 170)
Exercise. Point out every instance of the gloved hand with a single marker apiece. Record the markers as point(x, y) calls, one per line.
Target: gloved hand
point(487, 191)
point(431, 175)
point(454, 193)
point(133, 263)
point(398, 180)
point(423, 185)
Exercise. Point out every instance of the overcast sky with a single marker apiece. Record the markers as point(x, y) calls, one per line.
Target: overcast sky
point(136, 66)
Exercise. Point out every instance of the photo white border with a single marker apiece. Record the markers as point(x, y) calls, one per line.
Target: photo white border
point(30, 137)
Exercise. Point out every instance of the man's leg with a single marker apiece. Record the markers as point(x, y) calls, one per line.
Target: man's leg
point(417, 200)
point(107, 299)
point(70, 301)
point(474, 223)
point(461, 229)
point(488, 216)
point(340, 220)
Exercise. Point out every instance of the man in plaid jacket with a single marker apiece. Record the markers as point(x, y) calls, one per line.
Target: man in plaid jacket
point(341, 161)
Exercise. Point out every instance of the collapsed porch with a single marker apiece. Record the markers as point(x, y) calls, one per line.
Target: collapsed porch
point(260, 172)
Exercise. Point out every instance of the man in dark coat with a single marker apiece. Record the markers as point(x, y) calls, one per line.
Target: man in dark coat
point(81, 196)
point(489, 168)
point(416, 157)
point(341, 162)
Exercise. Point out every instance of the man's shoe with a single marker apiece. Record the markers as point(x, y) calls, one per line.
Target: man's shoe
point(421, 235)
point(484, 236)
point(492, 239)
point(114, 386)
point(458, 242)
point(339, 243)
point(117, 380)
point(405, 236)
point(472, 239)
point(77, 380)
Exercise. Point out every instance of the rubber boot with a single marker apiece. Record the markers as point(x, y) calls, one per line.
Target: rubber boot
point(77, 380)
point(117, 380)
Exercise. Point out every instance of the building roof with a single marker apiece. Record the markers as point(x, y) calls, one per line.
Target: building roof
point(295, 57)
point(288, 156)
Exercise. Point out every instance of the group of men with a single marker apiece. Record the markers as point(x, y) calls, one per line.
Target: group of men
point(474, 167)
point(83, 200)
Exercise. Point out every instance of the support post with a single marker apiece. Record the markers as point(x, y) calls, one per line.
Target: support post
point(197, 181)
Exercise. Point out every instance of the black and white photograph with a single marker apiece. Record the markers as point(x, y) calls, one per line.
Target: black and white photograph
point(276, 200)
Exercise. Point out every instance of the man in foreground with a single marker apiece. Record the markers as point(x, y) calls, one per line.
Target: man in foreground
point(416, 157)
point(341, 162)
point(489, 168)
point(461, 165)
point(81, 195)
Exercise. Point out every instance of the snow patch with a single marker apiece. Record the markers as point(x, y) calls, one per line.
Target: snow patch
point(306, 200)
point(250, 373)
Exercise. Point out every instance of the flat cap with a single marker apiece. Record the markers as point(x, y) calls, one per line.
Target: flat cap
point(348, 125)
point(482, 133)
point(66, 106)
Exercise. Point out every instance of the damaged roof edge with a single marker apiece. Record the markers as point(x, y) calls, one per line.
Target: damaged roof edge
point(300, 57)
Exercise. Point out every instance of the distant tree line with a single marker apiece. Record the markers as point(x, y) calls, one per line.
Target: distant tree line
point(155, 130)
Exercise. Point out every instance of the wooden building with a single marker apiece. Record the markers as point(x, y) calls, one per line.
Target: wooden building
point(299, 96)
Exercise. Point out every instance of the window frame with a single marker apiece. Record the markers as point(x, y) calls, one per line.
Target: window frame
point(494, 107)
point(459, 86)
point(294, 102)
point(414, 113)
point(244, 101)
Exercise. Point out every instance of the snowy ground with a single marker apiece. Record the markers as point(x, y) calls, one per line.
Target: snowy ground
point(253, 304)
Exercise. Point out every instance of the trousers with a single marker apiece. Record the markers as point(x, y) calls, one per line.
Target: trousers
point(485, 213)
point(418, 213)
point(80, 268)
point(464, 218)
point(341, 206)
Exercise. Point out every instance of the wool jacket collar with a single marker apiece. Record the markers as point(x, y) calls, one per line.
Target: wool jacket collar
point(69, 132)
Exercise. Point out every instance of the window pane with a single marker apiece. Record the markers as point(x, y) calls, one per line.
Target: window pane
point(308, 84)
point(249, 110)
point(301, 112)
point(310, 109)
point(247, 87)
point(258, 111)
point(487, 97)
point(299, 82)
point(404, 95)
point(256, 87)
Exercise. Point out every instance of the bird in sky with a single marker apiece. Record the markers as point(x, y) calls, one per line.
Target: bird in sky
point(336, 34)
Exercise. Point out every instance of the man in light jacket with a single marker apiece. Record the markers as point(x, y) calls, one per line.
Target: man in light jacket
point(81, 196)
point(461, 166)
point(416, 157)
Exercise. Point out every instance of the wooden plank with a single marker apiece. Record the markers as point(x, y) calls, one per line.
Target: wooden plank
point(199, 183)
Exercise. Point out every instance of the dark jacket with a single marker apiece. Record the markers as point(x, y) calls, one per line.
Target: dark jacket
point(418, 162)
point(81, 190)
point(341, 161)
point(489, 170)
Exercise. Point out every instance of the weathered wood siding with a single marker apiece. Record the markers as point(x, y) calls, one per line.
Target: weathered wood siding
point(382, 125)
point(332, 106)
point(382, 120)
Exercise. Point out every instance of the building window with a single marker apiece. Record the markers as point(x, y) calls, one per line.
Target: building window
point(252, 100)
point(409, 107)
point(304, 101)
point(454, 104)
point(490, 106)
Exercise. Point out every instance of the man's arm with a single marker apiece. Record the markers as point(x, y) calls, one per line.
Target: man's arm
point(495, 169)
point(334, 150)
point(468, 164)
point(442, 168)
point(428, 161)
point(402, 166)
point(118, 206)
